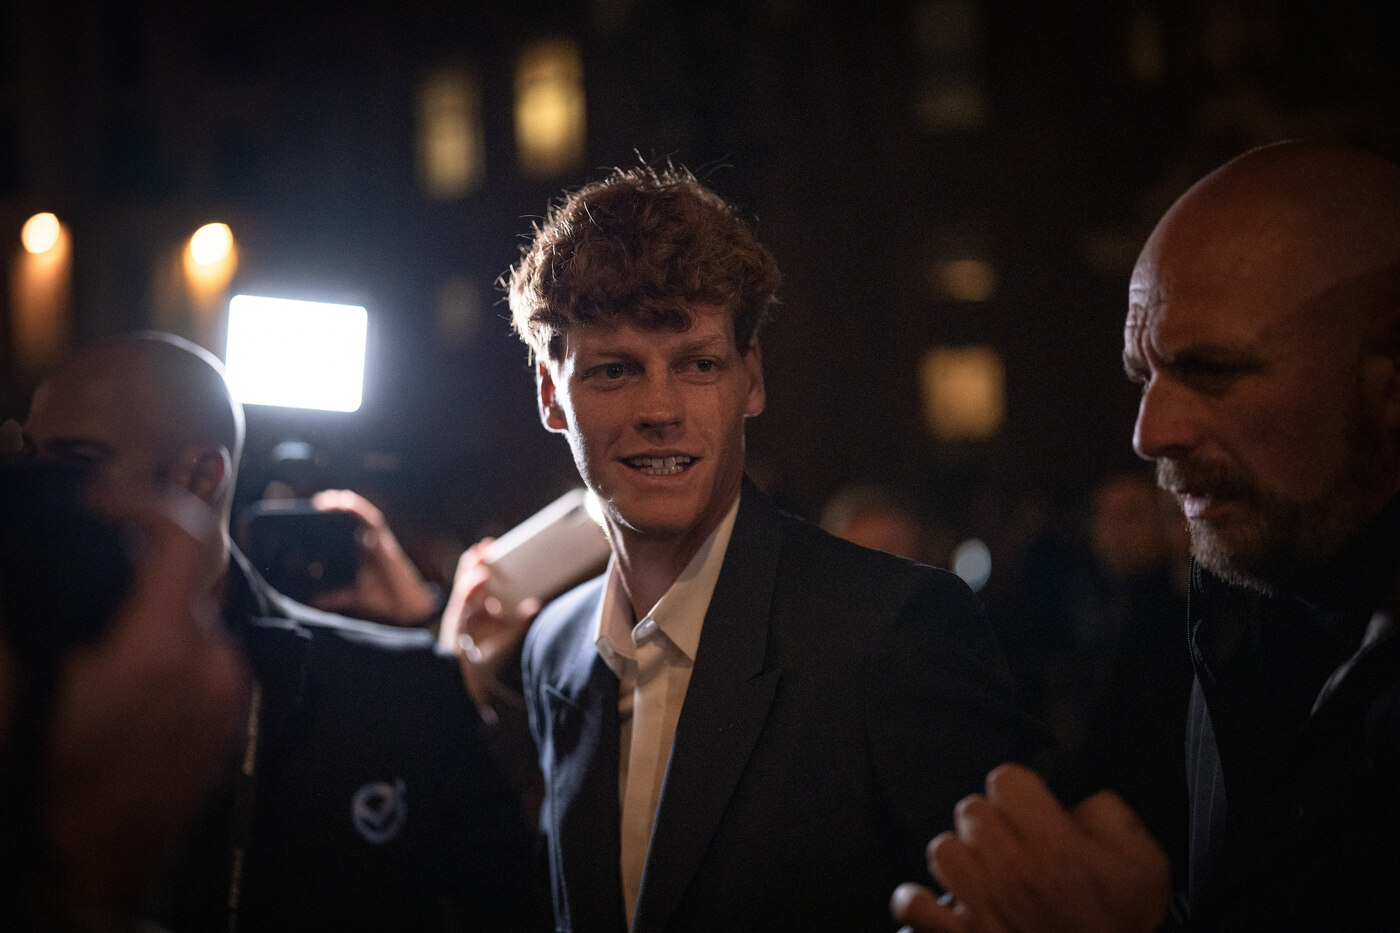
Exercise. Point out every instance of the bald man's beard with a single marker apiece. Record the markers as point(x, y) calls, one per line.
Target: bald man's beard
point(1270, 542)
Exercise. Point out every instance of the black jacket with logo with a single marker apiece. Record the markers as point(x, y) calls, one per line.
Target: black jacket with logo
point(366, 797)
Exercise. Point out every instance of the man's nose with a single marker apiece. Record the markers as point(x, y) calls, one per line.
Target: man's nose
point(1168, 422)
point(661, 404)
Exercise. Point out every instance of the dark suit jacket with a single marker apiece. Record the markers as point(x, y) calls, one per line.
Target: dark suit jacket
point(841, 703)
point(1295, 788)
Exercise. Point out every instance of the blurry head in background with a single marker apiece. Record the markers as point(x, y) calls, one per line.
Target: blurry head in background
point(1130, 525)
point(877, 517)
point(143, 412)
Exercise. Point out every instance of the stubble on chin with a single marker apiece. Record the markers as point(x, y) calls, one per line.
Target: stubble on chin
point(1250, 546)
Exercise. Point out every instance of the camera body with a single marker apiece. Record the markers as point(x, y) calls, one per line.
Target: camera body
point(64, 569)
point(300, 550)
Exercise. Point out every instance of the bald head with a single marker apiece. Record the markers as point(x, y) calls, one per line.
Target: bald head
point(1314, 227)
point(147, 409)
point(1264, 325)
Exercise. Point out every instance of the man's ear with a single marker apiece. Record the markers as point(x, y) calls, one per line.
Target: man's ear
point(205, 471)
point(551, 412)
point(753, 365)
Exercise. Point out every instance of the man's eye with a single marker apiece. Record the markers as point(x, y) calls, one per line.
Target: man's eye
point(614, 371)
point(705, 366)
point(1211, 378)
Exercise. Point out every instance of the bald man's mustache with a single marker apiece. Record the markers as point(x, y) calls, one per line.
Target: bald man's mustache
point(1194, 477)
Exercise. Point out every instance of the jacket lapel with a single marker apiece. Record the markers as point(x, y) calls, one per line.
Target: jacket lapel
point(725, 708)
point(583, 788)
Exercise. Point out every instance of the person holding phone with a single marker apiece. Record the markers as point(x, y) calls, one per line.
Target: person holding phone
point(362, 795)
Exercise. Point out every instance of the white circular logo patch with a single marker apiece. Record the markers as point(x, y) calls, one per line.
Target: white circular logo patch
point(378, 810)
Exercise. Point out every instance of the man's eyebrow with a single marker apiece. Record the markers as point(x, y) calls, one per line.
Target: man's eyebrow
point(705, 344)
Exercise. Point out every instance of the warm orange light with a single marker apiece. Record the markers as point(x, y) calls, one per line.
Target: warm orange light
point(41, 233)
point(211, 244)
point(209, 260)
point(39, 293)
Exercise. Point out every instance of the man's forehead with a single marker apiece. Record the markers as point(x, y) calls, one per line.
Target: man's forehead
point(96, 402)
point(701, 326)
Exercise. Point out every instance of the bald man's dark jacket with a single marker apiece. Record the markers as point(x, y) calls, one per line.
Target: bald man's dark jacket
point(841, 702)
point(373, 802)
point(1293, 749)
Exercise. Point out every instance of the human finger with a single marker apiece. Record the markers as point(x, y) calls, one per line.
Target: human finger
point(1133, 872)
point(921, 911)
point(345, 500)
point(957, 867)
point(981, 825)
point(1029, 808)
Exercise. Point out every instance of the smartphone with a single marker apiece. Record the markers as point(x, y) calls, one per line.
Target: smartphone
point(556, 546)
point(300, 550)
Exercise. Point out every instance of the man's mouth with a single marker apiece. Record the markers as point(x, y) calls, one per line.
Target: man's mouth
point(659, 466)
point(1194, 505)
point(1201, 491)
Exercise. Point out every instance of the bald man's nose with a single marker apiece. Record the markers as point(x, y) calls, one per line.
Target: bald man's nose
point(1167, 422)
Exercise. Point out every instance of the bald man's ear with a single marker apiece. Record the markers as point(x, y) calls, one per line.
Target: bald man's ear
point(207, 472)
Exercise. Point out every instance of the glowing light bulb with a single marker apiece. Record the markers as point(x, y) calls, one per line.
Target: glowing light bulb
point(211, 244)
point(40, 233)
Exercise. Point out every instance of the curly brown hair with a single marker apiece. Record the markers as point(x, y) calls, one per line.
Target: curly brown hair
point(645, 245)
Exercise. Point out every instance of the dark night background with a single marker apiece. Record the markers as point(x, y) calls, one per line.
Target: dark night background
point(1072, 126)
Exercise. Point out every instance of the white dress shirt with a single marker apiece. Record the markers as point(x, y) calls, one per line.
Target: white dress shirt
point(653, 660)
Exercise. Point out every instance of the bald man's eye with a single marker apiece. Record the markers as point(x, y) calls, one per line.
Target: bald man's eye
point(77, 453)
point(1211, 377)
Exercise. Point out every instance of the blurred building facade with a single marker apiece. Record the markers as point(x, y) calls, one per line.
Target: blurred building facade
point(930, 174)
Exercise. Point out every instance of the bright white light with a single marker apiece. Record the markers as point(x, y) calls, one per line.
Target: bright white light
point(40, 233)
point(972, 561)
point(211, 243)
point(296, 354)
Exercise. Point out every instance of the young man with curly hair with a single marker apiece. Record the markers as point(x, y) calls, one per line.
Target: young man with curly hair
point(744, 723)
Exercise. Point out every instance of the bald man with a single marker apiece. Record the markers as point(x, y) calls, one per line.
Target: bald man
point(1264, 329)
point(361, 796)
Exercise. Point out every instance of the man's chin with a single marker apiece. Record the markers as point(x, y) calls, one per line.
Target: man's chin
point(1236, 562)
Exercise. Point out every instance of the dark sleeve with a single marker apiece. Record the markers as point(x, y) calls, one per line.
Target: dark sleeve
point(939, 713)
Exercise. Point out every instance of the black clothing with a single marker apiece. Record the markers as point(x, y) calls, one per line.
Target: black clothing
point(373, 804)
point(1293, 747)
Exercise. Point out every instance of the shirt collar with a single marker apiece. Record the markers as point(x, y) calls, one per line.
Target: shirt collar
point(680, 613)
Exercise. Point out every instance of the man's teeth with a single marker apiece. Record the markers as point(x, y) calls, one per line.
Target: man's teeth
point(660, 466)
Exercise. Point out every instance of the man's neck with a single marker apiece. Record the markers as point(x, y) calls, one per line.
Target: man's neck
point(648, 568)
point(1363, 576)
point(649, 564)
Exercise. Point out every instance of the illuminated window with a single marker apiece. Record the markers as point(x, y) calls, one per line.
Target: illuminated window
point(296, 354)
point(963, 392)
point(947, 38)
point(963, 279)
point(549, 107)
point(451, 144)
